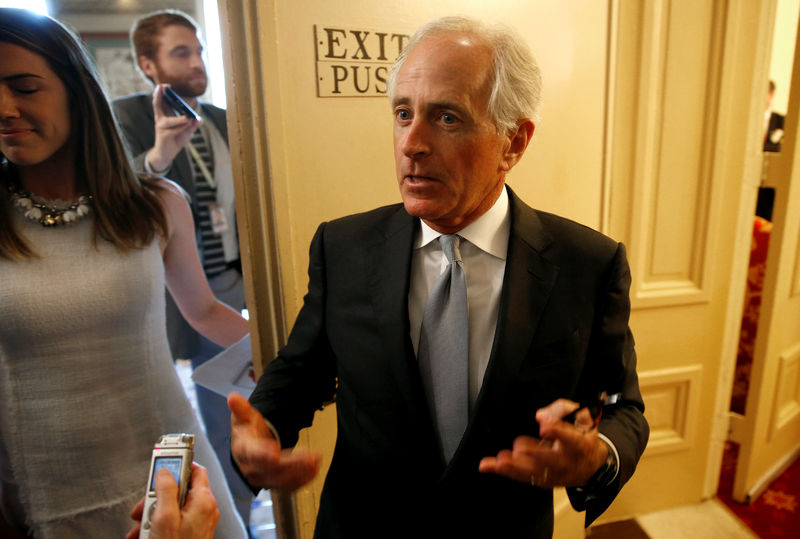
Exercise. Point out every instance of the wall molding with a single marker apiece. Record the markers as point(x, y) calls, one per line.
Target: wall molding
point(670, 200)
point(671, 398)
point(796, 278)
point(787, 392)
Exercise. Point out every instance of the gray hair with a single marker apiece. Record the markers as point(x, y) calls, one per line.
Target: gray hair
point(516, 82)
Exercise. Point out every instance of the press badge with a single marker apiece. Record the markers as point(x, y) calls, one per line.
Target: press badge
point(219, 223)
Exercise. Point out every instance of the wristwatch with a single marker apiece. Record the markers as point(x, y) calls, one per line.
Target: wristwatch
point(607, 471)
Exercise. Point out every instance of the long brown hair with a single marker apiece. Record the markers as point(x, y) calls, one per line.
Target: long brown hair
point(127, 209)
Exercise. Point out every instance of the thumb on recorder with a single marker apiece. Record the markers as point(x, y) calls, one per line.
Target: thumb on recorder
point(198, 517)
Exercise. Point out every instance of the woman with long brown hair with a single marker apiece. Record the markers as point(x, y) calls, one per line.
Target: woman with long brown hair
point(87, 383)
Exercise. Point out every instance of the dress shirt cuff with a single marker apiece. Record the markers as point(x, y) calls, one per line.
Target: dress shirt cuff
point(274, 431)
point(149, 169)
point(590, 491)
point(254, 490)
point(612, 448)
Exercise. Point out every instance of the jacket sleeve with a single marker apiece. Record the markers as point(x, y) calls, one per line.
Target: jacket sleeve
point(138, 131)
point(624, 423)
point(302, 378)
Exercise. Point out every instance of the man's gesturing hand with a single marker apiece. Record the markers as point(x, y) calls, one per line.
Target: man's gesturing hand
point(259, 455)
point(566, 454)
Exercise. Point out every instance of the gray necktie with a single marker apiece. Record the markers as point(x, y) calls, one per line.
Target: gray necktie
point(443, 350)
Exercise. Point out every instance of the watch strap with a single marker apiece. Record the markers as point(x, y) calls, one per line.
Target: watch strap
point(607, 471)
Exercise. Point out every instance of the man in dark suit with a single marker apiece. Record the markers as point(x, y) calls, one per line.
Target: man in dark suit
point(195, 155)
point(548, 308)
point(773, 122)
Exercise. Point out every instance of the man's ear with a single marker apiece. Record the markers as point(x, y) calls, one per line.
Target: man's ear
point(519, 140)
point(148, 67)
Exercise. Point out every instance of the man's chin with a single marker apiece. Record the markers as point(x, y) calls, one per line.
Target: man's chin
point(424, 209)
point(190, 90)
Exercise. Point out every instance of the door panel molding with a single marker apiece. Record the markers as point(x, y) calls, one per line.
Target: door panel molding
point(671, 399)
point(787, 392)
point(671, 208)
point(796, 279)
point(685, 120)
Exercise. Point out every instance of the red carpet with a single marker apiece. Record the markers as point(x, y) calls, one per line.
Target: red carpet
point(776, 513)
point(752, 306)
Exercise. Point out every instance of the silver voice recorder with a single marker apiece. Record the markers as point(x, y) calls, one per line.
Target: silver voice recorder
point(173, 452)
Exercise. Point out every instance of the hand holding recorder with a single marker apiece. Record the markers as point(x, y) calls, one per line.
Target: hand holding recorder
point(197, 519)
point(178, 502)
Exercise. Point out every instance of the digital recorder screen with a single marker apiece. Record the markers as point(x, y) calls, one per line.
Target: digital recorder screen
point(173, 464)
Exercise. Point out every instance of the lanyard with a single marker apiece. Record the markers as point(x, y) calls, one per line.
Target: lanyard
point(201, 165)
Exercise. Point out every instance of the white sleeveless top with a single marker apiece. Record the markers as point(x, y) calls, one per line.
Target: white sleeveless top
point(87, 384)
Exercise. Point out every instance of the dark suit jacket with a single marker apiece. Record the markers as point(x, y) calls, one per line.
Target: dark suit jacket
point(562, 332)
point(775, 122)
point(135, 117)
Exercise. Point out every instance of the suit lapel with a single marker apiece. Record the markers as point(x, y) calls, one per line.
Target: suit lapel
point(388, 251)
point(527, 283)
point(217, 117)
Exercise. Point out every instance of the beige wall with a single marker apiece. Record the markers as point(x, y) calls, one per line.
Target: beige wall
point(334, 156)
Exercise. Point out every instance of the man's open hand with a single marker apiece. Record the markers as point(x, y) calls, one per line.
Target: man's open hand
point(567, 454)
point(259, 455)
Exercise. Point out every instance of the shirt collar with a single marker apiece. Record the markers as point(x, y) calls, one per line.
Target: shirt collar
point(489, 232)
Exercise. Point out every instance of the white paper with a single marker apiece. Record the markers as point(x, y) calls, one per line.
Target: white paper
point(229, 370)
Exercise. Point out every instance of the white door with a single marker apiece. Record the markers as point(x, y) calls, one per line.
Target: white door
point(684, 157)
point(769, 432)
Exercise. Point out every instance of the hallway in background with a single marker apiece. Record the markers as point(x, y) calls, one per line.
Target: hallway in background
point(776, 512)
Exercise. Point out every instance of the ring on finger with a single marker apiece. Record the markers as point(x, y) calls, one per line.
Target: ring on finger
point(544, 475)
point(533, 480)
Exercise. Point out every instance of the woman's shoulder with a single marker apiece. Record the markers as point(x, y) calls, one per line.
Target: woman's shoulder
point(169, 192)
point(176, 203)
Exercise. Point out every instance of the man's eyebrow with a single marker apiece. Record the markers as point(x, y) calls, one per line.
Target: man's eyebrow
point(435, 105)
point(400, 101)
point(453, 105)
point(180, 48)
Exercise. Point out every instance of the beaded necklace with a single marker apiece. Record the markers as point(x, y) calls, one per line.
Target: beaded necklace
point(49, 214)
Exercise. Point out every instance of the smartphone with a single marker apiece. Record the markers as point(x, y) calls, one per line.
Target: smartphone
point(173, 452)
point(178, 105)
